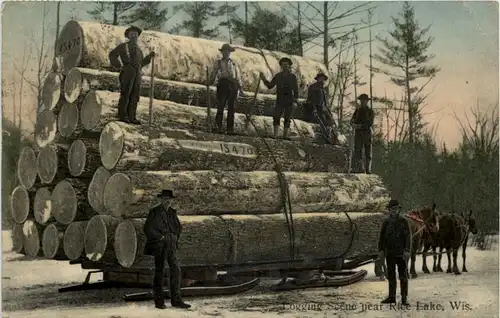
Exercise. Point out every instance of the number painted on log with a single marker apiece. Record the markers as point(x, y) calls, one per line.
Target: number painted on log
point(227, 148)
point(68, 45)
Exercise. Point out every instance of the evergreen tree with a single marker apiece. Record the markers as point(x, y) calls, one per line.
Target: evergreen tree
point(148, 15)
point(199, 13)
point(111, 12)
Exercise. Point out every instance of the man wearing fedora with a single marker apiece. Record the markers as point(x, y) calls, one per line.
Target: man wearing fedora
point(226, 77)
point(132, 61)
point(287, 94)
point(163, 229)
point(395, 246)
point(362, 122)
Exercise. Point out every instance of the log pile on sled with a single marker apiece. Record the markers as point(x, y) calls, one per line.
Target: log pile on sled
point(85, 188)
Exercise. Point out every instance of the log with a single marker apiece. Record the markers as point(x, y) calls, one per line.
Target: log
point(45, 128)
point(67, 121)
point(51, 91)
point(179, 58)
point(42, 206)
point(20, 202)
point(32, 237)
point(99, 238)
point(68, 198)
point(17, 238)
point(73, 240)
point(126, 147)
point(52, 242)
point(169, 114)
point(26, 168)
point(257, 192)
point(51, 163)
point(83, 158)
point(96, 189)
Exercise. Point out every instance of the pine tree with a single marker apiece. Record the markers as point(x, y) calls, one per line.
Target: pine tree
point(198, 15)
point(117, 10)
point(148, 15)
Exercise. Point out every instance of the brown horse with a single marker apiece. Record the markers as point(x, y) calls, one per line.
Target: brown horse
point(423, 222)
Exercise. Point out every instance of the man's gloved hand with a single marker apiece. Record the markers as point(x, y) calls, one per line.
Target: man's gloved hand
point(406, 255)
point(152, 54)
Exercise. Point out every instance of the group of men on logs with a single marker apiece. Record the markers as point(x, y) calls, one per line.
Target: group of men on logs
point(226, 76)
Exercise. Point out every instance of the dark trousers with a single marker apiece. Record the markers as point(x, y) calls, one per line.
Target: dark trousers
point(168, 252)
point(227, 91)
point(130, 89)
point(285, 109)
point(362, 141)
point(392, 262)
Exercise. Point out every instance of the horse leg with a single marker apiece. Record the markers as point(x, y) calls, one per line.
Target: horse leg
point(455, 266)
point(464, 247)
point(413, 272)
point(440, 257)
point(434, 259)
point(448, 254)
point(424, 259)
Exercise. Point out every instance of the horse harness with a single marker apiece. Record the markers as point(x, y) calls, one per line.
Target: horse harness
point(413, 216)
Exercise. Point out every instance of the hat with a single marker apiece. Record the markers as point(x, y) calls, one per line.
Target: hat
point(393, 204)
point(285, 60)
point(364, 97)
point(166, 194)
point(226, 47)
point(133, 28)
point(320, 73)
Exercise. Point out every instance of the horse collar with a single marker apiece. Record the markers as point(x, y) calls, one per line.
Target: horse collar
point(414, 217)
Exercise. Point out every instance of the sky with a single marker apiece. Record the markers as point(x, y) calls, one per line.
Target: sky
point(465, 47)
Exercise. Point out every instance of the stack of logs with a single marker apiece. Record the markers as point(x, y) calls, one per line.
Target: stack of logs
point(85, 189)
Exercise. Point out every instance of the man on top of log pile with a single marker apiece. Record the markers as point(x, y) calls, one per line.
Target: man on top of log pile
point(227, 78)
point(163, 229)
point(132, 60)
point(287, 94)
point(362, 122)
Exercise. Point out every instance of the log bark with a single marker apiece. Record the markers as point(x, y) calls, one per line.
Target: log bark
point(52, 163)
point(69, 202)
point(126, 147)
point(45, 128)
point(20, 202)
point(96, 189)
point(52, 242)
point(17, 238)
point(26, 168)
point(83, 158)
point(74, 238)
point(257, 192)
point(179, 58)
point(42, 206)
point(32, 238)
point(99, 238)
point(68, 119)
point(52, 90)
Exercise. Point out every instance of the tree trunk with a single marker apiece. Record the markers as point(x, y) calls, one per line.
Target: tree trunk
point(99, 238)
point(52, 242)
point(42, 206)
point(32, 237)
point(83, 158)
point(20, 203)
point(45, 128)
point(74, 238)
point(26, 168)
point(52, 163)
point(69, 202)
point(126, 147)
point(67, 122)
point(258, 192)
point(52, 91)
point(17, 238)
point(100, 107)
point(96, 189)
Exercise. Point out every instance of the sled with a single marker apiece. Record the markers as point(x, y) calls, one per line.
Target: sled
point(332, 279)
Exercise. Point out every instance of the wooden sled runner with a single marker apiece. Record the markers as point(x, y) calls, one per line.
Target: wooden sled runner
point(332, 279)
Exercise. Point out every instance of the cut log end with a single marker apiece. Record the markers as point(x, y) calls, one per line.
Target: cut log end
point(26, 167)
point(126, 243)
point(73, 241)
point(68, 120)
point(17, 238)
point(45, 128)
point(47, 164)
point(111, 143)
point(65, 202)
point(97, 234)
point(118, 193)
point(69, 45)
point(42, 206)
point(51, 91)
point(19, 204)
point(31, 238)
point(73, 85)
point(90, 110)
point(77, 156)
point(95, 191)
point(51, 241)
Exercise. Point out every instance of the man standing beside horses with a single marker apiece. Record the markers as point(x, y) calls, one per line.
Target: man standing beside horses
point(395, 246)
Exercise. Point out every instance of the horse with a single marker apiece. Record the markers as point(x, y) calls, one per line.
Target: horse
point(423, 222)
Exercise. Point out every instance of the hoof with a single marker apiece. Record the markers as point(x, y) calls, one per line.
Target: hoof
point(414, 275)
point(457, 273)
point(464, 270)
point(439, 269)
point(425, 270)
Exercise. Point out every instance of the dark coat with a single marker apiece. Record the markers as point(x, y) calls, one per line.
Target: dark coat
point(395, 236)
point(159, 224)
point(287, 87)
point(364, 117)
point(130, 55)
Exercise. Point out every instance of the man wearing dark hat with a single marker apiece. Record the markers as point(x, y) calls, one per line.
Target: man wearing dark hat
point(163, 229)
point(287, 94)
point(362, 122)
point(132, 60)
point(395, 245)
point(227, 78)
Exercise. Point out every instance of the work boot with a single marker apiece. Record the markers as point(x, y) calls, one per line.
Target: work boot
point(392, 293)
point(124, 119)
point(135, 122)
point(180, 304)
point(159, 298)
point(389, 300)
point(285, 133)
point(404, 292)
point(276, 130)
